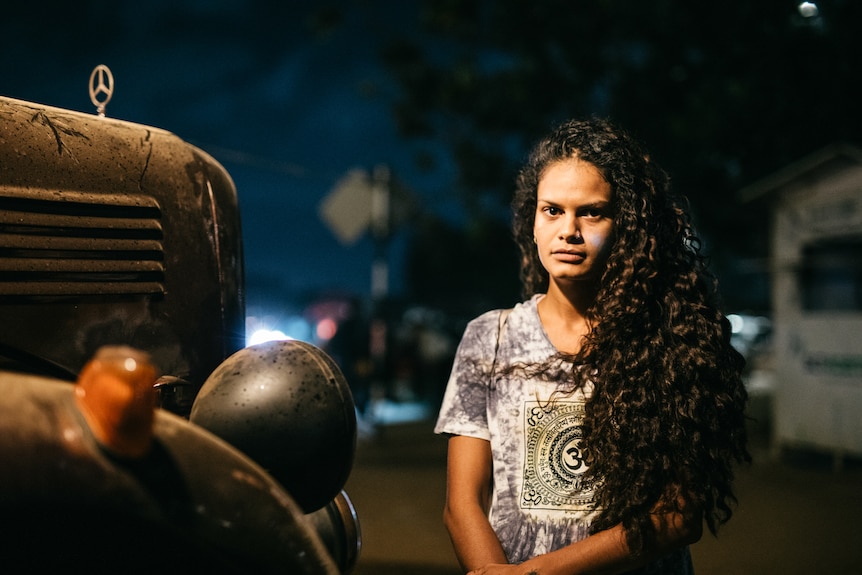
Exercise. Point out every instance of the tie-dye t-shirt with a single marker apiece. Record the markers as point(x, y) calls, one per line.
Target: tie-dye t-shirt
point(542, 500)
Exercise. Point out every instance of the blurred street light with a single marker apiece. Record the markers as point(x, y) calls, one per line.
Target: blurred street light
point(808, 9)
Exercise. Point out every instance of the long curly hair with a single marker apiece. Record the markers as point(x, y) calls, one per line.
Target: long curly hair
point(665, 423)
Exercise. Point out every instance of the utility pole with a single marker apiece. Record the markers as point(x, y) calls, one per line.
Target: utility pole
point(381, 232)
point(381, 224)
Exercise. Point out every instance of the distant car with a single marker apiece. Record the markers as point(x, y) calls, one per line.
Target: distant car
point(750, 333)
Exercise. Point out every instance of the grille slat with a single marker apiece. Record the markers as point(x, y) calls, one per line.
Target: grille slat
point(79, 288)
point(71, 243)
point(48, 265)
point(33, 221)
point(53, 243)
point(96, 200)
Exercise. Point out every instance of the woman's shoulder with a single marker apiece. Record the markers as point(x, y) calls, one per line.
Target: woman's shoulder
point(496, 317)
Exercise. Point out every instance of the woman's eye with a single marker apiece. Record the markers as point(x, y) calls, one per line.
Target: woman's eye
point(552, 211)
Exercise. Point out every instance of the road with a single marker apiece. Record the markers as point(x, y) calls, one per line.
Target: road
point(796, 514)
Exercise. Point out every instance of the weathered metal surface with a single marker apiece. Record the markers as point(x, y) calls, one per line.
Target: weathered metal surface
point(337, 524)
point(118, 234)
point(193, 504)
point(114, 233)
point(286, 405)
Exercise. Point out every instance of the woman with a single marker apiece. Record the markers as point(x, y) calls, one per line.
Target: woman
point(594, 427)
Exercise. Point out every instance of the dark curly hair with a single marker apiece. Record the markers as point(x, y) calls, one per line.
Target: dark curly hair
point(665, 423)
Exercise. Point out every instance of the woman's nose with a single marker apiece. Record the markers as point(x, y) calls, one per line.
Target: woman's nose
point(570, 230)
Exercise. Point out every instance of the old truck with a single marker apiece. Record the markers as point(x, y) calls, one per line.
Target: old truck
point(123, 237)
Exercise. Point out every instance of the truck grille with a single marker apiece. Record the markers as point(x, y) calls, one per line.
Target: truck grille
point(69, 243)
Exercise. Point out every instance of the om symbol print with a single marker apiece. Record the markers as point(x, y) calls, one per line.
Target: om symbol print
point(573, 456)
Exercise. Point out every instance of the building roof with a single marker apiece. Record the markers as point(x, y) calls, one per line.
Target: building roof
point(837, 155)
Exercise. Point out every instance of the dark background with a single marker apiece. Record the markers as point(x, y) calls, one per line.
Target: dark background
point(449, 95)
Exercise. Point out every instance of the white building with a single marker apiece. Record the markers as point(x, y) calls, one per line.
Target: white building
point(816, 278)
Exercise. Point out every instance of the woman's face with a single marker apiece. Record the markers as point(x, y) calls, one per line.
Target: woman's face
point(573, 227)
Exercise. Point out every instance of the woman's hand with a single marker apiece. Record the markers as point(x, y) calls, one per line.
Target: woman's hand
point(498, 569)
point(607, 551)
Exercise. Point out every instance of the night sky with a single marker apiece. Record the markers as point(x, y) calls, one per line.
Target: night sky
point(287, 101)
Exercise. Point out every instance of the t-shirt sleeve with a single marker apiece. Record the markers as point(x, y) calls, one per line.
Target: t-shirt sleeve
point(464, 407)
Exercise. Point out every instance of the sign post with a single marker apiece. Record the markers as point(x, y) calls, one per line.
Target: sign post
point(359, 202)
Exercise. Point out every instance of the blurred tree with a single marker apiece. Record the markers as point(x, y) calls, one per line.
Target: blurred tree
point(464, 270)
point(721, 93)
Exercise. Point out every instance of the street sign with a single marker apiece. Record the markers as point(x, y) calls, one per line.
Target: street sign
point(347, 208)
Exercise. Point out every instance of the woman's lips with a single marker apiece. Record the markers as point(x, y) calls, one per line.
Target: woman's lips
point(569, 256)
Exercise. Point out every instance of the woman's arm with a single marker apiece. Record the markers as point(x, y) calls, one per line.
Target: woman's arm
point(468, 484)
point(607, 552)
